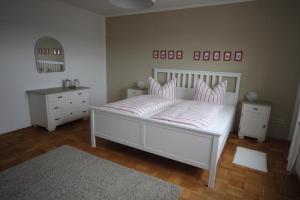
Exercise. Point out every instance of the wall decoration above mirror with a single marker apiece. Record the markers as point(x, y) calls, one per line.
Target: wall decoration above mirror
point(49, 55)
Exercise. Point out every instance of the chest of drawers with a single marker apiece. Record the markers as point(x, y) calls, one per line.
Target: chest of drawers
point(52, 107)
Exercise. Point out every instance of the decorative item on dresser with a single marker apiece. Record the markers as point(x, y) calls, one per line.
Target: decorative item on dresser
point(52, 107)
point(254, 120)
point(131, 92)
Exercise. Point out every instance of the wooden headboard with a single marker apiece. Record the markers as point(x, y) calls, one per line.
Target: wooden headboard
point(187, 79)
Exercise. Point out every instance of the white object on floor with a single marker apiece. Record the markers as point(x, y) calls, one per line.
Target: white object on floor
point(250, 158)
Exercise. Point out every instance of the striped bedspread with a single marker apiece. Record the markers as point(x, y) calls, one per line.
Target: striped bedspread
point(141, 105)
point(193, 113)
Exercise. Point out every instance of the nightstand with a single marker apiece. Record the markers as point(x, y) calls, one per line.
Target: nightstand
point(131, 92)
point(254, 120)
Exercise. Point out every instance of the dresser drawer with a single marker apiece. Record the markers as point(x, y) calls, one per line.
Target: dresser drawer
point(58, 106)
point(79, 94)
point(77, 113)
point(256, 109)
point(57, 97)
point(80, 102)
point(57, 119)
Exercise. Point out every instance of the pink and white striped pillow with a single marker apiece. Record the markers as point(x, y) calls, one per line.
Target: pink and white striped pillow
point(205, 94)
point(167, 90)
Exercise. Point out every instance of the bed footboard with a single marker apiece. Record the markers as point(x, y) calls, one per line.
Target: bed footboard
point(190, 147)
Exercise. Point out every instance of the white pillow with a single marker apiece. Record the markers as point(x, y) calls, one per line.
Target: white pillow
point(167, 90)
point(206, 94)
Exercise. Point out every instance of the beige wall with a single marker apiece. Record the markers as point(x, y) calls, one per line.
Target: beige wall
point(268, 31)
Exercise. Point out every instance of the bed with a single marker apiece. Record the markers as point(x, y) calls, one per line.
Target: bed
point(199, 147)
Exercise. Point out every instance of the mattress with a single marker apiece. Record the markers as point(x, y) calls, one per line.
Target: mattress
point(138, 105)
point(192, 113)
point(223, 118)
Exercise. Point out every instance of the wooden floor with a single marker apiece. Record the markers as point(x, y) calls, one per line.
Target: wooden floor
point(232, 181)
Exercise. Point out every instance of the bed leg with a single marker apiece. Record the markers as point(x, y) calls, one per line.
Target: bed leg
point(93, 137)
point(213, 163)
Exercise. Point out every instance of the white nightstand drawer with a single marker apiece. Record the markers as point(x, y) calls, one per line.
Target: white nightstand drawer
point(256, 108)
point(135, 92)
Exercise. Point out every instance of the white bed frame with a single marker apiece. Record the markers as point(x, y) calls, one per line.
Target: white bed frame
point(196, 148)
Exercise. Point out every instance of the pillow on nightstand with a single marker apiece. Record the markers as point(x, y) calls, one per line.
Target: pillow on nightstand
point(208, 95)
point(166, 91)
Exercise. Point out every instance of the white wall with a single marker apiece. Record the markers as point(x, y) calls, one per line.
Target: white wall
point(22, 23)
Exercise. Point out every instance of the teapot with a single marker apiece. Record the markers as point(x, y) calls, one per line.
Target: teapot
point(67, 83)
point(76, 83)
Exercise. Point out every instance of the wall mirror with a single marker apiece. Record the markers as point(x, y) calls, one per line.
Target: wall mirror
point(49, 55)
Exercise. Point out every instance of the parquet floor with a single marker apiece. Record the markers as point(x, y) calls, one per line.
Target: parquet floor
point(232, 182)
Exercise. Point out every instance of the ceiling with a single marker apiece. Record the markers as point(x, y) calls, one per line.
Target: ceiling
point(103, 7)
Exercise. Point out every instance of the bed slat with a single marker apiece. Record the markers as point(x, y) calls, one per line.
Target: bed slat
point(187, 80)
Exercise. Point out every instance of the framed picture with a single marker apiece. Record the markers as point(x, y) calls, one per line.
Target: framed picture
point(163, 54)
point(171, 54)
point(197, 55)
point(206, 55)
point(216, 55)
point(155, 54)
point(238, 56)
point(179, 55)
point(227, 56)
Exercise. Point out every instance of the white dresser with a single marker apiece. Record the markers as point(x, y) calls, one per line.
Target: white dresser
point(52, 107)
point(254, 120)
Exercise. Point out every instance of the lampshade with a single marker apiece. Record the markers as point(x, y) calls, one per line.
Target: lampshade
point(133, 4)
point(251, 95)
point(141, 84)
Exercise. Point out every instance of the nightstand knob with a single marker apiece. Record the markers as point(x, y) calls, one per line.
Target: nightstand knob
point(255, 108)
point(264, 126)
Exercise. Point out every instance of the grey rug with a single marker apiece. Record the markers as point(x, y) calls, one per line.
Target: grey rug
point(68, 173)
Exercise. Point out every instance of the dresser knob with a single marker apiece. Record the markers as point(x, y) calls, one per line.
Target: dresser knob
point(79, 93)
point(57, 119)
point(264, 126)
point(70, 102)
point(83, 101)
point(255, 108)
point(59, 97)
point(55, 108)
